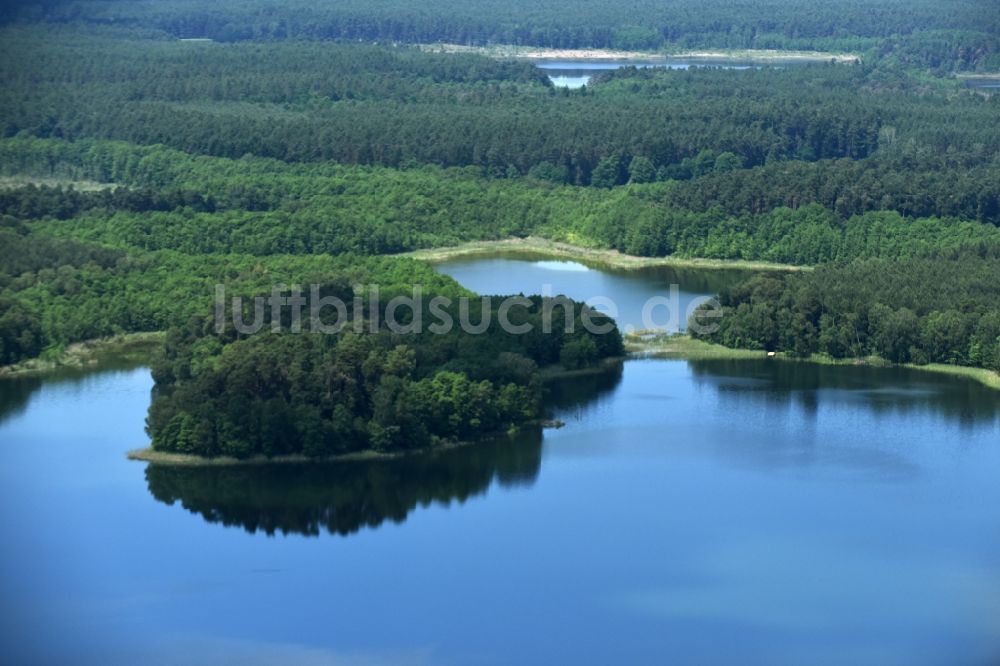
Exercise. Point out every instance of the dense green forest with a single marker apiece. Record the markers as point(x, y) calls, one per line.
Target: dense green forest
point(220, 392)
point(139, 169)
point(396, 106)
point(955, 33)
point(917, 311)
point(56, 292)
point(791, 213)
point(84, 264)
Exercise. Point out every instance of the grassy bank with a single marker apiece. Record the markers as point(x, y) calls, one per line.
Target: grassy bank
point(981, 375)
point(153, 456)
point(685, 347)
point(14, 182)
point(136, 347)
point(535, 247)
point(682, 346)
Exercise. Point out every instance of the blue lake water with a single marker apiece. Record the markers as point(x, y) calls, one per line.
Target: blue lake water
point(666, 294)
point(747, 512)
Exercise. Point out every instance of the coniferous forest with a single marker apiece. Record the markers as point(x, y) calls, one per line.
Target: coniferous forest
point(150, 150)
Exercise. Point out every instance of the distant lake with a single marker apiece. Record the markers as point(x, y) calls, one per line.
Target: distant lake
point(577, 73)
point(747, 512)
point(622, 293)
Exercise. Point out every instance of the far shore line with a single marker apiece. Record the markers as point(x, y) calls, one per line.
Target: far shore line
point(542, 53)
point(682, 346)
point(639, 345)
point(136, 347)
point(536, 247)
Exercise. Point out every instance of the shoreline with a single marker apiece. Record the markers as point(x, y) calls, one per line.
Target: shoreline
point(595, 258)
point(597, 55)
point(137, 347)
point(83, 355)
point(168, 458)
point(682, 346)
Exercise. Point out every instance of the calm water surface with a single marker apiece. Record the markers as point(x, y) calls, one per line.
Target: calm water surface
point(624, 294)
point(695, 512)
